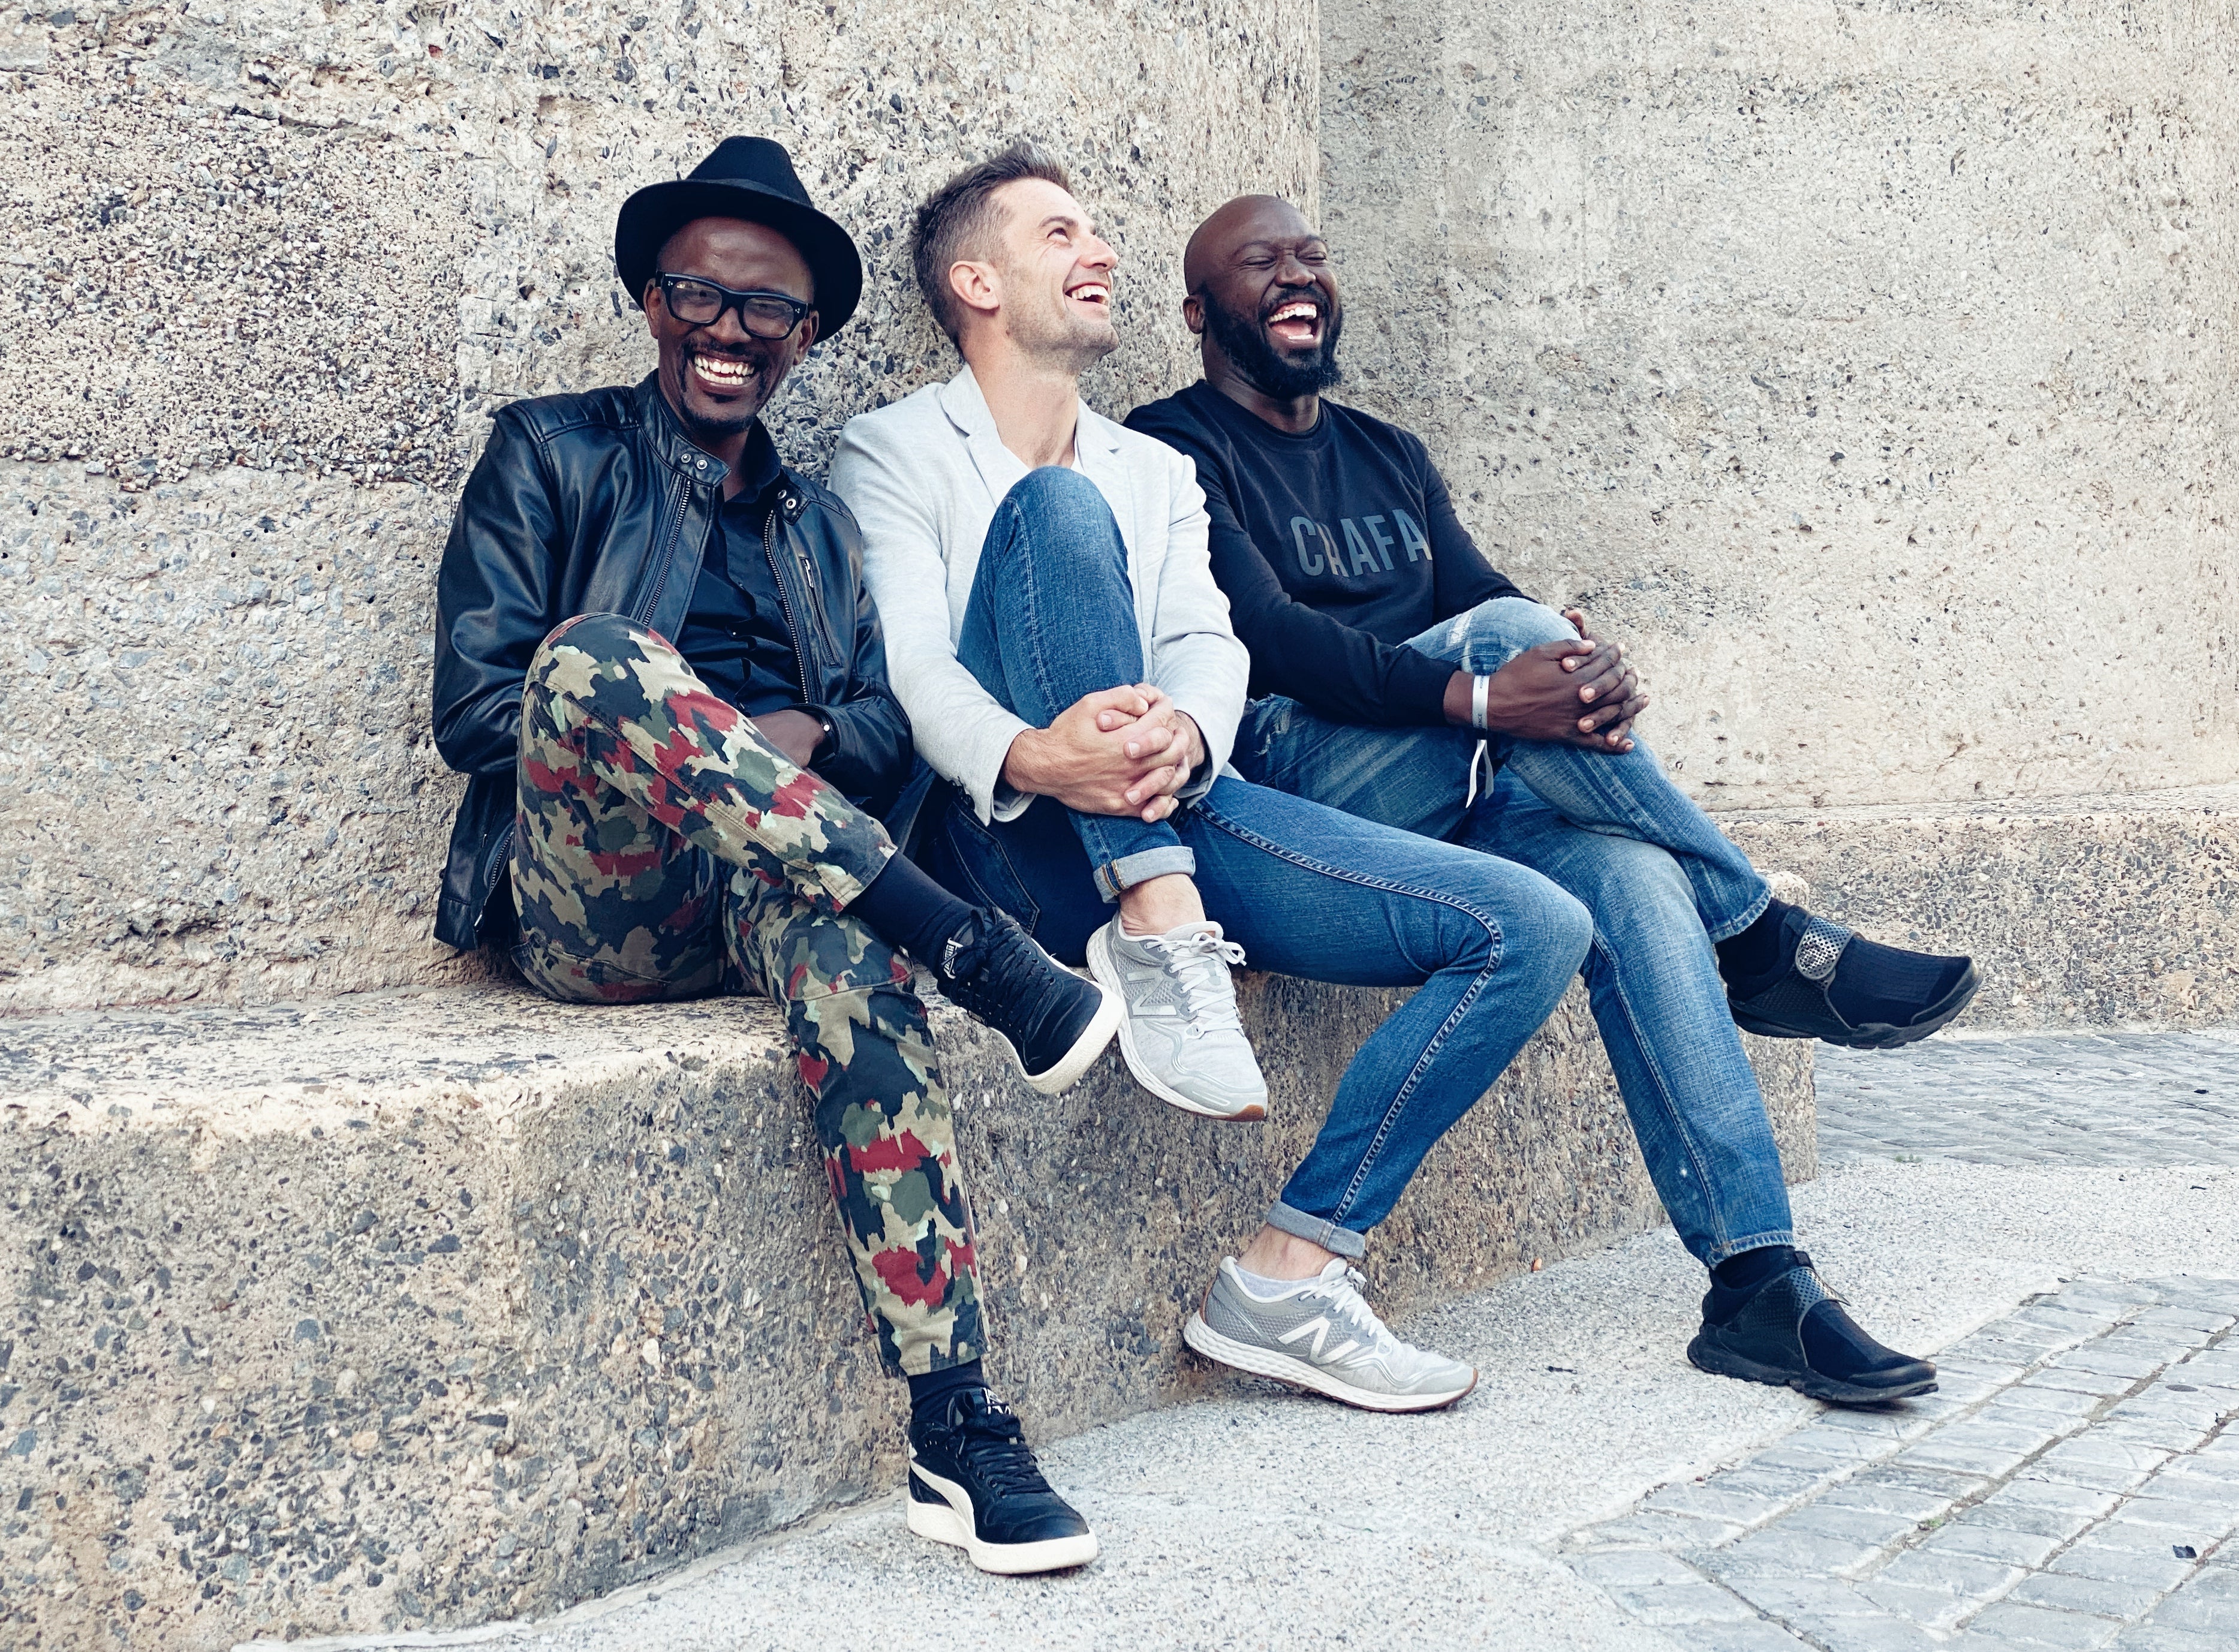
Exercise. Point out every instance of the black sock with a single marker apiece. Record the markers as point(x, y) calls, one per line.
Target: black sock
point(1751, 959)
point(912, 911)
point(929, 1393)
point(1734, 1281)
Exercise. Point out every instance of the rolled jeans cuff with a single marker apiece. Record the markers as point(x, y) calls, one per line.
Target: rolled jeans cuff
point(1317, 1229)
point(1731, 927)
point(1733, 1248)
point(1114, 877)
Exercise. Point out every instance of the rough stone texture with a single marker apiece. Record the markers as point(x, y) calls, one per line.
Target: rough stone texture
point(430, 1308)
point(1868, 366)
point(267, 270)
point(2093, 911)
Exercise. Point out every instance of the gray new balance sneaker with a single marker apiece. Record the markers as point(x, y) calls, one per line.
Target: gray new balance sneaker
point(1181, 1037)
point(1320, 1335)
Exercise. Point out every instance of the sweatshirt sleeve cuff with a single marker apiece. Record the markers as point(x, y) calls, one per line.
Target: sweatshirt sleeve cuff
point(1418, 686)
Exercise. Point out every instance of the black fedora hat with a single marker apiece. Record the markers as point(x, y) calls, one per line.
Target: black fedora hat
point(750, 178)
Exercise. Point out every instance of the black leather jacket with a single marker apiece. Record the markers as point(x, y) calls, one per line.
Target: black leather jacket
point(599, 504)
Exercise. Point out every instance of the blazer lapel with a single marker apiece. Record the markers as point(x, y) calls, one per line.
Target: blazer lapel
point(999, 468)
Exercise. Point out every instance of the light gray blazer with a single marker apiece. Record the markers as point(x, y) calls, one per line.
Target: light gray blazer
point(924, 475)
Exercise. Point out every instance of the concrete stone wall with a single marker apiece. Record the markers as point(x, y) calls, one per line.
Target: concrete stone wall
point(1869, 367)
point(267, 268)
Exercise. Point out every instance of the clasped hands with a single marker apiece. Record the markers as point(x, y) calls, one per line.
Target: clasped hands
point(1579, 692)
point(1121, 751)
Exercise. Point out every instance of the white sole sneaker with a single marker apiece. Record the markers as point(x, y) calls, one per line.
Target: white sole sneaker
point(1106, 974)
point(1262, 1362)
point(1111, 1016)
point(950, 1522)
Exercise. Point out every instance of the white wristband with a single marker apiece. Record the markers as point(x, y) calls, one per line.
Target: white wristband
point(1479, 687)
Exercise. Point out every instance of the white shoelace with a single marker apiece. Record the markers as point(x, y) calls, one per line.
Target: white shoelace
point(1207, 993)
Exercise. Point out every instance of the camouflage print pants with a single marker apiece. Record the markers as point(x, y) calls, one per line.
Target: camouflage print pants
point(665, 850)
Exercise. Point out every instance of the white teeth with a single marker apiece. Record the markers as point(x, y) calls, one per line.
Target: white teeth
point(1295, 312)
point(714, 370)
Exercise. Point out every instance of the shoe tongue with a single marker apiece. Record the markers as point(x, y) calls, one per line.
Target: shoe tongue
point(1188, 938)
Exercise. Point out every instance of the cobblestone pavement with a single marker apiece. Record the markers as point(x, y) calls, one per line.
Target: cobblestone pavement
point(2072, 1485)
point(2115, 1099)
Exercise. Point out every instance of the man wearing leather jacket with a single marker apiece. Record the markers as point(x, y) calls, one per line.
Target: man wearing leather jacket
point(656, 661)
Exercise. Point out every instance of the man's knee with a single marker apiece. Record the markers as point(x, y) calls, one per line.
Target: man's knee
point(1055, 507)
point(601, 639)
point(1509, 625)
point(1548, 931)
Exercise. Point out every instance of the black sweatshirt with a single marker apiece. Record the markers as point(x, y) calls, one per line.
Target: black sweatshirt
point(1333, 548)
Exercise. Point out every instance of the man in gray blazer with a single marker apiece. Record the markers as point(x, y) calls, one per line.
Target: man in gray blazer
point(1053, 630)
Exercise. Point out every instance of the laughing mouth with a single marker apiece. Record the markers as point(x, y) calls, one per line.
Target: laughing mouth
point(1297, 321)
point(1092, 292)
point(723, 372)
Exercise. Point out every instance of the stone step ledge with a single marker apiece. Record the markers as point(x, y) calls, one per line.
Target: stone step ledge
point(2090, 911)
point(418, 1308)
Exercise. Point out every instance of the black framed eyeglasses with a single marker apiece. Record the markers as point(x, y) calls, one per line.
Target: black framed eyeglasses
point(701, 302)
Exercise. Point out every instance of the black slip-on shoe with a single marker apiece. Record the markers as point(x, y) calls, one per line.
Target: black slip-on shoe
point(1054, 1022)
point(974, 1483)
point(1797, 1004)
point(1766, 1339)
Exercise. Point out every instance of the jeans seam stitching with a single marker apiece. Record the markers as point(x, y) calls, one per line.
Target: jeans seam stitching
point(1664, 1088)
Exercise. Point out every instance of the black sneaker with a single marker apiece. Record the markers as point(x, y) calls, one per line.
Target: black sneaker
point(1792, 1332)
point(1052, 1021)
point(1907, 995)
point(973, 1482)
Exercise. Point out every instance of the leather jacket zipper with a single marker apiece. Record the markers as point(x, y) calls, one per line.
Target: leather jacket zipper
point(785, 607)
point(652, 606)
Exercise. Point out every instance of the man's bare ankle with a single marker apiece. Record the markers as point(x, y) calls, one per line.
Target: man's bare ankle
point(1159, 904)
point(1274, 1254)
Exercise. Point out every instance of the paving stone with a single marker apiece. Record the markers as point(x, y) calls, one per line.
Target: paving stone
point(1674, 1603)
point(2081, 1501)
point(1877, 1527)
point(1758, 1478)
point(2013, 1514)
point(1658, 1531)
point(2156, 1637)
point(2038, 1626)
point(1933, 1607)
point(2193, 1319)
point(2156, 1568)
point(1793, 1598)
point(1714, 1502)
point(1980, 1539)
point(2070, 1593)
point(1867, 1634)
point(2198, 1523)
point(1901, 1501)
point(1634, 1568)
point(1965, 1577)
point(1784, 1554)
point(1756, 1637)
point(2207, 1603)
point(2079, 1382)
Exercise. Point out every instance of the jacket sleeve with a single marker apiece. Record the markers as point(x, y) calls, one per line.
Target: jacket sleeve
point(493, 602)
point(870, 755)
point(1194, 655)
point(1342, 673)
point(963, 730)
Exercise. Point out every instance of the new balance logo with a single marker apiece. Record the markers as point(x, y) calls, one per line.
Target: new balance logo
point(1319, 1329)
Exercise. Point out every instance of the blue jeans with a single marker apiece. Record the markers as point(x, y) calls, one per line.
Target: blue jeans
point(1305, 890)
point(1662, 882)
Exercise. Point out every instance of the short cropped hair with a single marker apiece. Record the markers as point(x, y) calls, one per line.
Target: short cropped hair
point(957, 215)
